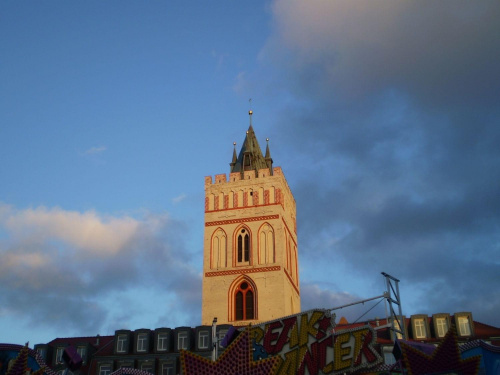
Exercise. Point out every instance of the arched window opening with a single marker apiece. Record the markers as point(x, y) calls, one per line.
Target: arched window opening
point(243, 246)
point(244, 302)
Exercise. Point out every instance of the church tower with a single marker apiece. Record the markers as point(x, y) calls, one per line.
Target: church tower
point(250, 261)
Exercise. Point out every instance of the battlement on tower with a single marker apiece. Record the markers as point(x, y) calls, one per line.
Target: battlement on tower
point(247, 175)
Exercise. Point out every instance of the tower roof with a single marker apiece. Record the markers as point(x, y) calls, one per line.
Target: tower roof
point(250, 156)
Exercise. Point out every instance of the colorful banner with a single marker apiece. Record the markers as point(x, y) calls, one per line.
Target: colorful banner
point(308, 344)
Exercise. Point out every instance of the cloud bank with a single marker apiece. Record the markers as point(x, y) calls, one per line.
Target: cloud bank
point(62, 268)
point(393, 118)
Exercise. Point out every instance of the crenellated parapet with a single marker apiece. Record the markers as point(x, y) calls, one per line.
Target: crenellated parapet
point(247, 175)
point(247, 189)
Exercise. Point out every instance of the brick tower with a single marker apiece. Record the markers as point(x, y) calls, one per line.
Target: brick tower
point(250, 261)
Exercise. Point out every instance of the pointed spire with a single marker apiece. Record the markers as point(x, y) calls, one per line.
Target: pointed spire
point(235, 158)
point(268, 153)
point(269, 159)
point(250, 156)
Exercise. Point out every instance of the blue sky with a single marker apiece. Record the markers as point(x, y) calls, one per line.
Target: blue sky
point(383, 115)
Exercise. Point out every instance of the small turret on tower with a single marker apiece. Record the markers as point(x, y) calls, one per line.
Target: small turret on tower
point(268, 158)
point(235, 158)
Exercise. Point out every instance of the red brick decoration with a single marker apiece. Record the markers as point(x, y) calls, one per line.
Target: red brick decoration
point(266, 196)
point(206, 203)
point(216, 202)
point(242, 271)
point(245, 199)
point(236, 359)
point(244, 220)
point(226, 201)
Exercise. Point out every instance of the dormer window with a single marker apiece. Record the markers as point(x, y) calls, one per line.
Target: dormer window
point(121, 343)
point(82, 352)
point(162, 341)
point(441, 324)
point(59, 355)
point(142, 342)
point(420, 332)
point(42, 351)
point(420, 327)
point(464, 324)
point(203, 339)
point(182, 340)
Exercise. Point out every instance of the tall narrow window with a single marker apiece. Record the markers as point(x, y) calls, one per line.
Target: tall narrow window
point(244, 302)
point(243, 241)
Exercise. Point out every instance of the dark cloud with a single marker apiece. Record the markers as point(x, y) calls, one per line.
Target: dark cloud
point(393, 118)
point(328, 297)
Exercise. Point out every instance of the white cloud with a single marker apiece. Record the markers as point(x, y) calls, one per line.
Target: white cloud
point(84, 231)
point(95, 150)
point(179, 198)
point(240, 83)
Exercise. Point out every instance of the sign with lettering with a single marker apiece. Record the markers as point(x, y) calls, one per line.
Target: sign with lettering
point(308, 344)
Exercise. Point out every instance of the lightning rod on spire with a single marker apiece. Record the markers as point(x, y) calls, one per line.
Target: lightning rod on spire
point(250, 112)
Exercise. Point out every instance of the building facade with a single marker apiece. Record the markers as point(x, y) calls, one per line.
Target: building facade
point(157, 351)
point(148, 351)
point(250, 262)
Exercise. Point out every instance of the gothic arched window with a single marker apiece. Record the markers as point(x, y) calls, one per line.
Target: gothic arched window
point(244, 302)
point(243, 246)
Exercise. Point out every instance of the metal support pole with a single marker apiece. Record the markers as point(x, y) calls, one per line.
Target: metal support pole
point(214, 339)
point(393, 297)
